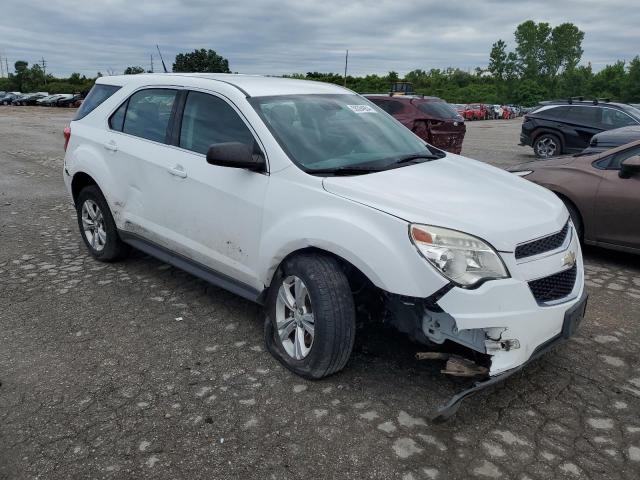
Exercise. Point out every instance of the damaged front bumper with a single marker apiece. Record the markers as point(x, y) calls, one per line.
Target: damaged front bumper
point(572, 319)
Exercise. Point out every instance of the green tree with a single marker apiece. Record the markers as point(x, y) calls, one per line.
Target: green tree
point(22, 71)
point(565, 50)
point(498, 60)
point(133, 70)
point(631, 85)
point(201, 61)
point(532, 47)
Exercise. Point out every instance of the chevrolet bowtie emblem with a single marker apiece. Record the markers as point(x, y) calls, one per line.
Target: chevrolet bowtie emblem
point(569, 260)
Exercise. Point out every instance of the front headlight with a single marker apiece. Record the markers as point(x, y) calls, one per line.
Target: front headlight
point(464, 259)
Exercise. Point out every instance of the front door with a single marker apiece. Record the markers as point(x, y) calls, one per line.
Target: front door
point(214, 213)
point(618, 204)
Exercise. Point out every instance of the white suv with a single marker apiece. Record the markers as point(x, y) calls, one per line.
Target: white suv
point(301, 195)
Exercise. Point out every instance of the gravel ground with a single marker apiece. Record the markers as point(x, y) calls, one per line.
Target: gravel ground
point(138, 370)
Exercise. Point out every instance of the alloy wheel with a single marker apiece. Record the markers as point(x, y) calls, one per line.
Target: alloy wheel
point(547, 147)
point(295, 320)
point(93, 225)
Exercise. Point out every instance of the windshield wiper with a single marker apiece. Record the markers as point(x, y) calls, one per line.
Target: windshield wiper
point(346, 170)
point(417, 156)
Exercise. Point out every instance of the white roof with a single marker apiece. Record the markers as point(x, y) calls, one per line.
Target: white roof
point(252, 85)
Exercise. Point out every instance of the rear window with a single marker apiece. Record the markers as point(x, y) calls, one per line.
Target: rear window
point(438, 110)
point(98, 94)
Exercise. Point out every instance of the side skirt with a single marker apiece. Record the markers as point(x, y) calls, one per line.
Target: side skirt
point(194, 268)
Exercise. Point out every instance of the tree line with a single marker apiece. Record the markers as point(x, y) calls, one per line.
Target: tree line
point(543, 65)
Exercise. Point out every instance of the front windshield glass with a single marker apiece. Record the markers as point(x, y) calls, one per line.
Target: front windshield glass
point(324, 132)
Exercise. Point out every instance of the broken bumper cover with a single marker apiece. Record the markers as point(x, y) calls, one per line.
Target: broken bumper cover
point(572, 319)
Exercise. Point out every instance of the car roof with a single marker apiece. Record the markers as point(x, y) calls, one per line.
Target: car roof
point(250, 85)
point(602, 103)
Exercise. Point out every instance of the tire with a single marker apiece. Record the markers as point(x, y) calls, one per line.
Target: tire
point(104, 244)
point(330, 301)
point(576, 218)
point(547, 145)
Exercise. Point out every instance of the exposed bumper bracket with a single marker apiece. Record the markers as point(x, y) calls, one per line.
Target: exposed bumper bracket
point(572, 319)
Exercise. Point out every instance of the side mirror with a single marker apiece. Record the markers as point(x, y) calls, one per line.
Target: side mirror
point(630, 167)
point(236, 155)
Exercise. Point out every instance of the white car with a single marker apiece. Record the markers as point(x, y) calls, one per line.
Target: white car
point(301, 195)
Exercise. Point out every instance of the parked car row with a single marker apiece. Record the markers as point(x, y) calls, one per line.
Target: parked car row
point(480, 111)
point(41, 98)
point(568, 126)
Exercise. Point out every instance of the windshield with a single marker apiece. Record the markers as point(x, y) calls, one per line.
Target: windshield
point(439, 110)
point(343, 131)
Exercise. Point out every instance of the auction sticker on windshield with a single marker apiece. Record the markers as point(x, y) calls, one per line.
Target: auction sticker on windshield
point(361, 108)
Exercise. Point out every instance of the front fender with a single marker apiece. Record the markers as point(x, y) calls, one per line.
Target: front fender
point(376, 243)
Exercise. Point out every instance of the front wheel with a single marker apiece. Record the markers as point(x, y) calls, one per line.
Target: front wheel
point(310, 316)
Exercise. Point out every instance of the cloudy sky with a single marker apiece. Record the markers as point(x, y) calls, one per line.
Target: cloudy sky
point(286, 36)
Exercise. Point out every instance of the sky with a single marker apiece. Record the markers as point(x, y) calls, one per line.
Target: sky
point(297, 36)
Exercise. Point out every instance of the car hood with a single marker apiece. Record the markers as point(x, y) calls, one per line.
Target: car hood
point(550, 162)
point(461, 194)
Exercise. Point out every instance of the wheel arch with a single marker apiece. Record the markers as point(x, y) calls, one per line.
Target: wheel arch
point(357, 278)
point(79, 181)
point(565, 198)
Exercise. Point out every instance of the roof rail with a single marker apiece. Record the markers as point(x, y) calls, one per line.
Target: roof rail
point(571, 99)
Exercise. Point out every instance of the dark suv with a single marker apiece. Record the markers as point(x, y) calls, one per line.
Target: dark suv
point(558, 127)
point(431, 118)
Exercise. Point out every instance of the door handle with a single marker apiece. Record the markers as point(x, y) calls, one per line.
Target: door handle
point(177, 171)
point(111, 146)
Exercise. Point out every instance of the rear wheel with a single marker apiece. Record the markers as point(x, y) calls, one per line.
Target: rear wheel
point(310, 316)
point(547, 145)
point(97, 226)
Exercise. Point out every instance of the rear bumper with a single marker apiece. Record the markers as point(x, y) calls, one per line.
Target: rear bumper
point(572, 319)
point(525, 139)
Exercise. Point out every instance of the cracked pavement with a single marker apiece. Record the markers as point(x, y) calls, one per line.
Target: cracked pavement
point(138, 370)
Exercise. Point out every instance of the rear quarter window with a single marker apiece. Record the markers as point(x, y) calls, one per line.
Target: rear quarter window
point(98, 94)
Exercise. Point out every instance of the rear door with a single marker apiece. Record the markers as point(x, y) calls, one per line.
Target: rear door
point(617, 219)
point(579, 124)
point(139, 155)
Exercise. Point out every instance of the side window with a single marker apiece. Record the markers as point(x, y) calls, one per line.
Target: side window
point(383, 104)
point(620, 157)
point(207, 120)
point(148, 113)
point(584, 115)
point(395, 107)
point(98, 94)
point(612, 118)
point(116, 122)
point(559, 113)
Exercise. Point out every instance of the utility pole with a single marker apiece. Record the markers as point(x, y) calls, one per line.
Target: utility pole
point(152, 63)
point(44, 69)
point(1, 68)
point(346, 62)
point(6, 65)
